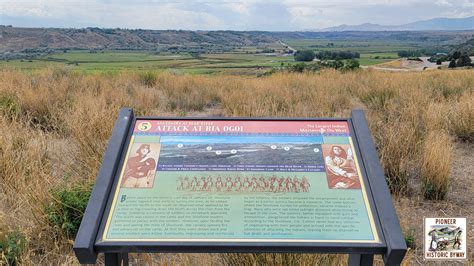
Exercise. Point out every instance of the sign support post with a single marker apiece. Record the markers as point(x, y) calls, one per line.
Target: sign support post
point(116, 259)
point(361, 259)
point(87, 233)
point(396, 246)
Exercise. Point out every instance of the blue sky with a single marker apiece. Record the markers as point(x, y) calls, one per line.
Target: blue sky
point(273, 15)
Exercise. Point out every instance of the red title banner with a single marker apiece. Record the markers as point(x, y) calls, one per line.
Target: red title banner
point(240, 126)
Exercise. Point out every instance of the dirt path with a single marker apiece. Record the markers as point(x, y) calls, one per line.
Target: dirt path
point(406, 65)
point(390, 69)
point(289, 47)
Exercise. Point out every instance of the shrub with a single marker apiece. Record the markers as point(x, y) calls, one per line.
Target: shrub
point(12, 246)
point(436, 165)
point(337, 55)
point(60, 72)
point(66, 209)
point(297, 67)
point(336, 64)
point(413, 53)
point(464, 60)
point(395, 164)
point(456, 55)
point(148, 79)
point(447, 91)
point(350, 64)
point(452, 64)
point(410, 238)
point(377, 98)
point(8, 107)
point(461, 118)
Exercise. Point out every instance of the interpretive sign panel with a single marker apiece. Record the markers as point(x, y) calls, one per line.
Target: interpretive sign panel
point(204, 180)
point(240, 185)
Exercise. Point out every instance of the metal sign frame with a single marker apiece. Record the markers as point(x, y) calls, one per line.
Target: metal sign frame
point(88, 242)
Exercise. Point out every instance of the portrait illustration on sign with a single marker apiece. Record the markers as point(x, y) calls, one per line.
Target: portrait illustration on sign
point(140, 167)
point(340, 166)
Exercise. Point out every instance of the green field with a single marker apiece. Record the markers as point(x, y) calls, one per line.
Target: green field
point(115, 61)
point(368, 46)
point(243, 61)
point(224, 52)
point(110, 61)
point(371, 51)
point(376, 58)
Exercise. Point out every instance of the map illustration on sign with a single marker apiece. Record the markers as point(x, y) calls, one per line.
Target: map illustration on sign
point(241, 180)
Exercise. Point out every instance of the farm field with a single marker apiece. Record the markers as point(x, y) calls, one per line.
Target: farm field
point(112, 61)
point(244, 61)
point(376, 58)
point(226, 63)
point(369, 46)
point(371, 51)
point(55, 123)
point(222, 52)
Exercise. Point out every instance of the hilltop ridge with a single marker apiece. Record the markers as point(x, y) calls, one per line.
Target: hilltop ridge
point(422, 25)
point(18, 39)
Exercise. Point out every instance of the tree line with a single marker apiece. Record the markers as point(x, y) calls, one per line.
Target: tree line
point(310, 55)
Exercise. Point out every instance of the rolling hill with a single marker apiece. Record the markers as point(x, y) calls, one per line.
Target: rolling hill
point(18, 39)
point(424, 25)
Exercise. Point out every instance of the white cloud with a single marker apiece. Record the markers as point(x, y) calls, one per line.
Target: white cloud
point(443, 3)
point(232, 14)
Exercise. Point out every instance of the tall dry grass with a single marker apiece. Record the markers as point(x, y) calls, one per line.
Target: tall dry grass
point(54, 126)
point(436, 164)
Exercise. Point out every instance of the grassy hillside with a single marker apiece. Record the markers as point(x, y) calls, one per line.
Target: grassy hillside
point(18, 39)
point(54, 126)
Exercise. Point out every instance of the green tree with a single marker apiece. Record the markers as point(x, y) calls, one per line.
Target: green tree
point(195, 54)
point(438, 61)
point(350, 64)
point(456, 55)
point(464, 60)
point(297, 67)
point(336, 64)
point(452, 64)
point(305, 55)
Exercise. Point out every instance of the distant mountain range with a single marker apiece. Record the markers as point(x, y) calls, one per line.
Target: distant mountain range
point(423, 25)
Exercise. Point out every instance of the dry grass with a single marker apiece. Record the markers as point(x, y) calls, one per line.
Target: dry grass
point(54, 126)
point(436, 166)
point(283, 259)
point(461, 117)
point(392, 64)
